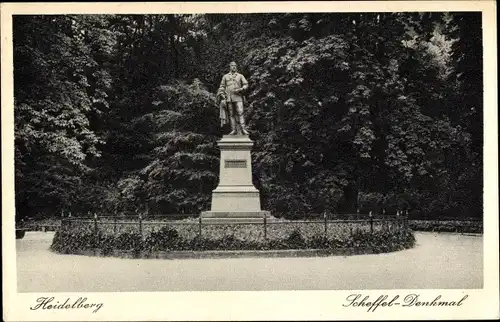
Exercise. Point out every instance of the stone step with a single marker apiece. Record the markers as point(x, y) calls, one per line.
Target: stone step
point(241, 220)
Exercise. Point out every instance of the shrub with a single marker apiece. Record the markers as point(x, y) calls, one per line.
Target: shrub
point(320, 242)
point(296, 240)
point(108, 247)
point(128, 241)
point(165, 239)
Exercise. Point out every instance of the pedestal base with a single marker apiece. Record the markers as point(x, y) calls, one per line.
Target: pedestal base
point(231, 217)
point(235, 200)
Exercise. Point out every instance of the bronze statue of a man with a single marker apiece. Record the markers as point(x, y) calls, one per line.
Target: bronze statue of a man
point(231, 98)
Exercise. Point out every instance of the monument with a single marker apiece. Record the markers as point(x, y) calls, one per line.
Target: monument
point(235, 199)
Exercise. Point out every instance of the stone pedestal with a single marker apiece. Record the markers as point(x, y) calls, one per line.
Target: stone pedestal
point(235, 199)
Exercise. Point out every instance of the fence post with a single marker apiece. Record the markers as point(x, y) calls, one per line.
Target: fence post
point(326, 223)
point(95, 233)
point(383, 218)
point(371, 222)
point(199, 227)
point(115, 218)
point(397, 219)
point(265, 226)
point(69, 221)
point(140, 225)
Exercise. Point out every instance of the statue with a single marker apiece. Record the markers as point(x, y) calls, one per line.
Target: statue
point(230, 97)
point(235, 200)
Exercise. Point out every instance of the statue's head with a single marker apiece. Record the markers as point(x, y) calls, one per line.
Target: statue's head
point(232, 66)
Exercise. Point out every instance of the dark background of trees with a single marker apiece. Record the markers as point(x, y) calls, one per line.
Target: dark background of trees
point(348, 111)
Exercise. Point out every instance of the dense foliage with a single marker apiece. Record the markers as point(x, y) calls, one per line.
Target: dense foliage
point(450, 226)
point(169, 238)
point(348, 111)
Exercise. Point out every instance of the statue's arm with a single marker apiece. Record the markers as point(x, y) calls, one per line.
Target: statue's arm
point(244, 83)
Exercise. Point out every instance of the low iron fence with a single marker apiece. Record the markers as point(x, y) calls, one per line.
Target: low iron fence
point(117, 222)
point(268, 228)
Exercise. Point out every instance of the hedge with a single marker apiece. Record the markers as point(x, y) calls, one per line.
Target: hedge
point(168, 239)
point(452, 226)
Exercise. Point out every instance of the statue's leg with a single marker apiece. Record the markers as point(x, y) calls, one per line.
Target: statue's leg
point(232, 118)
point(241, 118)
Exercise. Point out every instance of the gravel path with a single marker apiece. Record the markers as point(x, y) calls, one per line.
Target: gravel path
point(438, 261)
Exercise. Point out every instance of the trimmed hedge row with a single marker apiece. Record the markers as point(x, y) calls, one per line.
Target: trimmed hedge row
point(451, 226)
point(168, 239)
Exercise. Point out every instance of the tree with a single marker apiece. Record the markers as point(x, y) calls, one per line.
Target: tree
point(348, 111)
point(58, 86)
point(182, 171)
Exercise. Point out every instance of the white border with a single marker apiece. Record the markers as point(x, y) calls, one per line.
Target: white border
point(283, 305)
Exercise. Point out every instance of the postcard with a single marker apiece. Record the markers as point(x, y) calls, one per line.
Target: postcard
point(240, 161)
